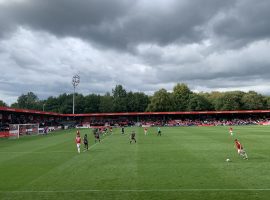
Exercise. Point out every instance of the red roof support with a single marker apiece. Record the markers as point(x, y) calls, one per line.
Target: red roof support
point(133, 113)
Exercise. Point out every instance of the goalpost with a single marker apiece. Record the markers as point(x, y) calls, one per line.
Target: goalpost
point(17, 130)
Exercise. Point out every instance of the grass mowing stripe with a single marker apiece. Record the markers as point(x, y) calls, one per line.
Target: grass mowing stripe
point(67, 163)
point(54, 162)
point(142, 190)
point(42, 152)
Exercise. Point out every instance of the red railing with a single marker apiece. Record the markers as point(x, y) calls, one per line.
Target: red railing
point(4, 134)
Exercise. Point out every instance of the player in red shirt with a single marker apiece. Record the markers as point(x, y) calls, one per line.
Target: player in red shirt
point(145, 131)
point(78, 143)
point(231, 131)
point(240, 149)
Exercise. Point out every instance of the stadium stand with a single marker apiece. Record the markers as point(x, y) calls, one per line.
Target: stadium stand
point(56, 121)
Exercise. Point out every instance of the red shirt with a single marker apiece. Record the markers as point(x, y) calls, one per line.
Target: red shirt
point(78, 140)
point(238, 145)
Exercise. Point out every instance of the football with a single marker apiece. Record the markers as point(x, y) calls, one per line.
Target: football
point(228, 160)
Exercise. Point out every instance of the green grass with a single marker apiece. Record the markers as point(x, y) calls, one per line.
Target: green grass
point(184, 163)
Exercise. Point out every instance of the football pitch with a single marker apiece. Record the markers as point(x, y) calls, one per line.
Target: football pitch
point(183, 163)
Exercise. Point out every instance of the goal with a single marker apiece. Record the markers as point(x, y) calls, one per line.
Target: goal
point(17, 130)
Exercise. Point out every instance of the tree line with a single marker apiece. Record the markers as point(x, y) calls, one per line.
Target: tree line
point(120, 100)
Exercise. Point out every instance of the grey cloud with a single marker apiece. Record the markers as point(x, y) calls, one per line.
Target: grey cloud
point(118, 23)
point(244, 23)
point(248, 64)
point(64, 17)
point(202, 72)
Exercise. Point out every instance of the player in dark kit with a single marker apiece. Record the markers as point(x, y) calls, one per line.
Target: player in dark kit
point(132, 137)
point(158, 131)
point(97, 137)
point(123, 130)
point(85, 142)
point(94, 132)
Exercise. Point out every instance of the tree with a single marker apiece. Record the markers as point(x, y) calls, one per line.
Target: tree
point(181, 99)
point(137, 102)
point(2, 104)
point(27, 101)
point(267, 102)
point(181, 95)
point(92, 103)
point(215, 99)
point(119, 99)
point(65, 102)
point(198, 103)
point(79, 103)
point(161, 101)
point(253, 101)
point(230, 101)
point(131, 102)
point(106, 103)
point(209, 103)
point(141, 101)
point(52, 104)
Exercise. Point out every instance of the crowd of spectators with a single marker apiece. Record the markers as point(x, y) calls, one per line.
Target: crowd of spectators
point(136, 121)
point(4, 124)
point(215, 122)
point(108, 122)
point(177, 122)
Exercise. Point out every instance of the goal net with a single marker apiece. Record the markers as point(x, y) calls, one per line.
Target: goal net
point(17, 130)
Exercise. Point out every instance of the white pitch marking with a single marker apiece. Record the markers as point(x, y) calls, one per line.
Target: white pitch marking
point(37, 152)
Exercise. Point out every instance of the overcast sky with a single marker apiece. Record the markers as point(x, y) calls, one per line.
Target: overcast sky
point(142, 44)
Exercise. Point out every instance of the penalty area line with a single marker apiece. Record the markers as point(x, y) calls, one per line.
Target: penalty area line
point(141, 190)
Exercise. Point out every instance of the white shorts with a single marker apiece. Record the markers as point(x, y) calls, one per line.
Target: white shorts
point(78, 145)
point(241, 151)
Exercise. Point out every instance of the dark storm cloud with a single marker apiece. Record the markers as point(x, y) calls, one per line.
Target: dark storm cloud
point(244, 23)
point(117, 23)
point(123, 24)
point(62, 17)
